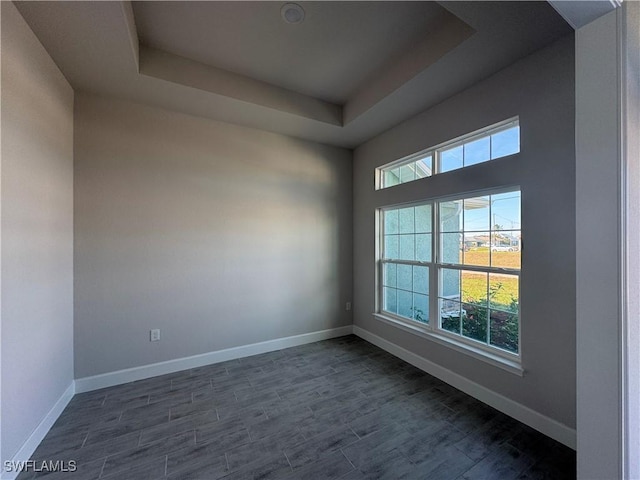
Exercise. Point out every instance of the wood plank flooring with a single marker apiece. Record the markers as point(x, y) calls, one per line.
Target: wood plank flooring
point(337, 409)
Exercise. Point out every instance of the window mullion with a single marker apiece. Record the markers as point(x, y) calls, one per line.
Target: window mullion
point(480, 268)
point(434, 287)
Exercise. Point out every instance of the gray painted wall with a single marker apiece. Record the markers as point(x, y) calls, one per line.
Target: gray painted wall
point(540, 89)
point(37, 232)
point(216, 234)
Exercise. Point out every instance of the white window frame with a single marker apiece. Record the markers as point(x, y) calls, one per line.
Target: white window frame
point(502, 358)
point(435, 152)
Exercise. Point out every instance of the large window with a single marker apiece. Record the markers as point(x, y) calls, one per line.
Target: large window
point(452, 267)
point(496, 141)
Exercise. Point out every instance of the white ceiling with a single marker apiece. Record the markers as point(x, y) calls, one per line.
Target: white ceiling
point(348, 72)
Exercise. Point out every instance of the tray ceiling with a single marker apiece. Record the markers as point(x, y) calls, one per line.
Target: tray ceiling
point(349, 71)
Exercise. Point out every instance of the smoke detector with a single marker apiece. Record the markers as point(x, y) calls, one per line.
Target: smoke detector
point(292, 13)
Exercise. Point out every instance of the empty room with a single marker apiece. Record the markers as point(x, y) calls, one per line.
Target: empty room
point(319, 240)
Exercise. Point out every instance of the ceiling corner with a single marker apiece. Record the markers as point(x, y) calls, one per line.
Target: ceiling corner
point(579, 13)
point(127, 10)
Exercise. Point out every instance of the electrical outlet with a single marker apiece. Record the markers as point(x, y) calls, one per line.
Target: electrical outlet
point(348, 306)
point(155, 335)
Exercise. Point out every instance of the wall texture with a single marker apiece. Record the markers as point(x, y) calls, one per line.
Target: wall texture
point(540, 89)
point(218, 235)
point(37, 232)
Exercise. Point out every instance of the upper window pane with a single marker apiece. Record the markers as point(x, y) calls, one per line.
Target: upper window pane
point(451, 248)
point(506, 142)
point(390, 222)
point(451, 216)
point(476, 249)
point(480, 146)
point(407, 173)
point(391, 246)
point(505, 249)
point(477, 151)
point(407, 233)
point(481, 231)
point(406, 217)
point(451, 159)
point(424, 167)
point(423, 219)
point(476, 214)
point(391, 177)
point(505, 210)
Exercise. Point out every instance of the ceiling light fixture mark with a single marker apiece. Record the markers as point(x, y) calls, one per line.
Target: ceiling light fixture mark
point(292, 13)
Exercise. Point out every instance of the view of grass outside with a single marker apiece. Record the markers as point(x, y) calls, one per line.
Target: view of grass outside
point(473, 256)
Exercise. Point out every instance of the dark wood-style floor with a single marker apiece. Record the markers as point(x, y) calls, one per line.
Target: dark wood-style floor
point(340, 408)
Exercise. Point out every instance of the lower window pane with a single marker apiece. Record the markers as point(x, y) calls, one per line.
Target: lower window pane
point(450, 313)
point(474, 288)
point(474, 297)
point(503, 292)
point(421, 308)
point(421, 280)
point(481, 306)
point(390, 300)
point(504, 330)
point(405, 277)
point(474, 322)
point(450, 283)
point(406, 291)
point(390, 277)
point(405, 304)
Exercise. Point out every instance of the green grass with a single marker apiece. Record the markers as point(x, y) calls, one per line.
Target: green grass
point(480, 256)
point(503, 288)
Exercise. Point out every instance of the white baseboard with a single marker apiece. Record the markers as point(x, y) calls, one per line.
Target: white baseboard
point(110, 379)
point(40, 432)
point(526, 415)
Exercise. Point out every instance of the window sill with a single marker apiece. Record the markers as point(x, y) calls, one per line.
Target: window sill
point(506, 364)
